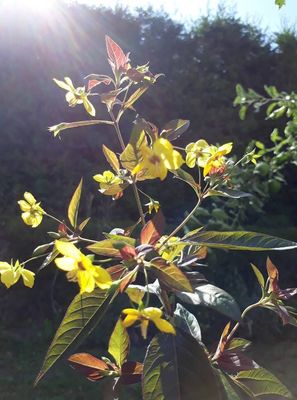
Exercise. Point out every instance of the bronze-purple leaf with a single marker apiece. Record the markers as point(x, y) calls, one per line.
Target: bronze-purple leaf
point(91, 367)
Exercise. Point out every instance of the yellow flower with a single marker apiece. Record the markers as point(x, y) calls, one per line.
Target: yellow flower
point(197, 152)
point(172, 248)
point(158, 159)
point(145, 316)
point(32, 212)
point(10, 274)
point(153, 205)
point(80, 268)
point(109, 183)
point(217, 159)
point(76, 96)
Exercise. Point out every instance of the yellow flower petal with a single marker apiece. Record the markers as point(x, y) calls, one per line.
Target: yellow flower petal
point(68, 249)
point(28, 277)
point(131, 311)
point(4, 266)
point(143, 328)
point(164, 326)
point(29, 198)
point(86, 281)
point(9, 278)
point(129, 320)
point(66, 263)
point(152, 312)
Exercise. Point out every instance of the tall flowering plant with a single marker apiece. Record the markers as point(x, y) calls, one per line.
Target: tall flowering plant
point(157, 270)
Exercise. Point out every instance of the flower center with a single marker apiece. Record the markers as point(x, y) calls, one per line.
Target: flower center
point(155, 159)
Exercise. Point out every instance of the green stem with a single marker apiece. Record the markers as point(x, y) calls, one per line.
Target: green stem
point(34, 258)
point(58, 220)
point(182, 224)
point(135, 190)
point(235, 328)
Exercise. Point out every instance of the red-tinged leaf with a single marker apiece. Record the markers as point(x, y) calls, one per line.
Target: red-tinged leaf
point(129, 278)
point(117, 271)
point(62, 229)
point(128, 252)
point(89, 366)
point(171, 276)
point(153, 229)
point(95, 82)
point(234, 362)
point(273, 276)
point(222, 342)
point(286, 294)
point(131, 372)
point(115, 53)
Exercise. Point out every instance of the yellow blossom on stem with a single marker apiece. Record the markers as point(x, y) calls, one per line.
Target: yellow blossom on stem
point(158, 159)
point(32, 212)
point(172, 248)
point(80, 268)
point(217, 159)
point(76, 96)
point(10, 274)
point(197, 152)
point(153, 205)
point(146, 315)
point(109, 183)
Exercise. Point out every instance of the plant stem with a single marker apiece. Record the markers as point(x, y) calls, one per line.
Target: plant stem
point(59, 221)
point(235, 328)
point(135, 190)
point(183, 223)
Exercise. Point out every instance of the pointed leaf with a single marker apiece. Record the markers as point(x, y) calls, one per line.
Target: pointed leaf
point(177, 368)
point(259, 276)
point(131, 373)
point(83, 314)
point(186, 177)
point(229, 387)
point(115, 53)
point(74, 205)
point(119, 344)
point(171, 276)
point(262, 382)
point(132, 155)
point(211, 296)
point(232, 194)
point(135, 96)
point(241, 240)
point(174, 129)
point(111, 158)
point(89, 366)
point(153, 229)
point(187, 322)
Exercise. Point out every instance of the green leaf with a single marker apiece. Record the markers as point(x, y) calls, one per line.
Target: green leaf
point(39, 250)
point(174, 129)
point(135, 96)
point(230, 391)
point(237, 344)
point(74, 205)
point(111, 158)
point(177, 368)
point(171, 276)
point(107, 247)
point(261, 382)
point(119, 344)
point(211, 296)
point(131, 156)
point(241, 240)
point(242, 112)
point(233, 194)
point(83, 314)
point(187, 322)
point(186, 177)
point(259, 276)
point(280, 3)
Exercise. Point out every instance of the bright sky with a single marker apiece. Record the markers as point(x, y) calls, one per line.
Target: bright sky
point(263, 12)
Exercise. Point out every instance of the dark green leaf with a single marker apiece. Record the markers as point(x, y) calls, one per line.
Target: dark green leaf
point(241, 240)
point(39, 250)
point(83, 314)
point(230, 391)
point(177, 368)
point(211, 296)
point(233, 194)
point(187, 322)
point(174, 129)
point(186, 177)
point(262, 382)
